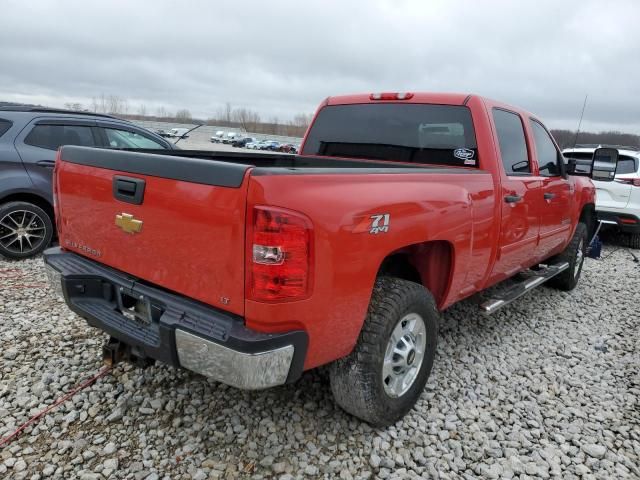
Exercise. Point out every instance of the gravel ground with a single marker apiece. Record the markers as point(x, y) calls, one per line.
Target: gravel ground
point(547, 387)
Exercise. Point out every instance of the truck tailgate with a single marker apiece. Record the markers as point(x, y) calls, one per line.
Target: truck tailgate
point(175, 222)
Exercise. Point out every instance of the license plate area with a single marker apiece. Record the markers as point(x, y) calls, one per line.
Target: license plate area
point(137, 308)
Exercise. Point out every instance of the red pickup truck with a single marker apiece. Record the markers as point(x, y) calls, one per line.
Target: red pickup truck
point(252, 268)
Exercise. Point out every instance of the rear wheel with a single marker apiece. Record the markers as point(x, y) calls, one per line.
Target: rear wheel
point(385, 374)
point(25, 230)
point(574, 254)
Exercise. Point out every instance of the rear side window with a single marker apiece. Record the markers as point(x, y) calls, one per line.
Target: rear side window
point(128, 139)
point(627, 165)
point(4, 126)
point(513, 146)
point(548, 156)
point(411, 133)
point(53, 136)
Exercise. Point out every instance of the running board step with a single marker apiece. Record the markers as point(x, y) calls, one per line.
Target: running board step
point(516, 291)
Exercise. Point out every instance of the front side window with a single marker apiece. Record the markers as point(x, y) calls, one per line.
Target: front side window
point(4, 126)
point(548, 156)
point(129, 139)
point(513, 146)
point(52, 137)
point(408, 133)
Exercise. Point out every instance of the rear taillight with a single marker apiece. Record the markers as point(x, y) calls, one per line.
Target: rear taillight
point(279, 255)
point(629, 181)
point(627, 220)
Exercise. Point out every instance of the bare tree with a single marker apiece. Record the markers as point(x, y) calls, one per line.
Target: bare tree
point(162, 112)
point(183, 115)
point(302, 120)
point(246, 119)
point(227, 113)
point(75, 106)
point(142, 110)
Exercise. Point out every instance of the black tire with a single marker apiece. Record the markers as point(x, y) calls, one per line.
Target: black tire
point(32, 241)
point(357, 380)
point(633, 240)
point(568, 279)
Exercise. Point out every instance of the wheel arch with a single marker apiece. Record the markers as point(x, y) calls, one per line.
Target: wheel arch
point(427, 263)
point(589, 218)
point(30, 197)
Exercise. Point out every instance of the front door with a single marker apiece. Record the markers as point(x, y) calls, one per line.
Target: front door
point(519, 194)
point(556, 194)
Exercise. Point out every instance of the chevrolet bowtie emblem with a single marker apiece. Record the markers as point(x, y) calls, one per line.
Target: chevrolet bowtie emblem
point(129, 224)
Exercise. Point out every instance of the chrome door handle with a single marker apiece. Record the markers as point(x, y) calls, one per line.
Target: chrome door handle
point(513, 198)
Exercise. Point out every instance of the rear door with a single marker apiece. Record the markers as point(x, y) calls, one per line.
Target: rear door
point(556, 192)
point(615, 196)
point(38, 143)
point(519, 196)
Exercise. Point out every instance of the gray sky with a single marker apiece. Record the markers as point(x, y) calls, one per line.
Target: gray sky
point(282, 58)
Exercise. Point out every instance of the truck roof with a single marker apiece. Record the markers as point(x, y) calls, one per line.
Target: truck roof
point(426, 97)
point(418, 97)
point(624, 150)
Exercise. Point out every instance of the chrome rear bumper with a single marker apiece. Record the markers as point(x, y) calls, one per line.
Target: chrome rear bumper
point(241, 370)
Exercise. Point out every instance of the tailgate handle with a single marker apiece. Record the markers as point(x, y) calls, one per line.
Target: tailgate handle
point(128, 189)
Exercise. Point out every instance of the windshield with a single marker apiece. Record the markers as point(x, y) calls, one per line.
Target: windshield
point(413, 133)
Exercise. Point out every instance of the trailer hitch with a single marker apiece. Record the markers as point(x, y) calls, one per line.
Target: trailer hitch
point(115, 351)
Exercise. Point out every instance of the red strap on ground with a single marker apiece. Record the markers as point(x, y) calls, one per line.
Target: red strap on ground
point(5, 441)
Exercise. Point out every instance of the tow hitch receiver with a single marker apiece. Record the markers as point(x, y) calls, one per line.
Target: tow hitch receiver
point(115, 351)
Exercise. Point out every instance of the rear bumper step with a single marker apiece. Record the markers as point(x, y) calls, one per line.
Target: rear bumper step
point(625, 222)
point(517, 290)
point(176, 330)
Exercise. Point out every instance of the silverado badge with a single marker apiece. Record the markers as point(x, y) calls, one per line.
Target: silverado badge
point(129, 224)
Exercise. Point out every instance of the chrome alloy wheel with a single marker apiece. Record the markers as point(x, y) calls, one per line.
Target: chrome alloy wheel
point(579, 259)
point(21, 231)
point(404, 355)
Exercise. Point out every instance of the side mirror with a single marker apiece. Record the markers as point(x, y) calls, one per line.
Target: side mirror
point(604, 164)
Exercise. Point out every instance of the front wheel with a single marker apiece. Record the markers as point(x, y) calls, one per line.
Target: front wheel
point(574, 255)
point(385, 374)
point(25, 230)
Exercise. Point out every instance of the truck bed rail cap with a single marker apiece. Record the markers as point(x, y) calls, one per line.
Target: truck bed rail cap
point(193, 170)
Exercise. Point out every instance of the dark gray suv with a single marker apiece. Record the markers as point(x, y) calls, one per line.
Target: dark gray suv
point(29, 140)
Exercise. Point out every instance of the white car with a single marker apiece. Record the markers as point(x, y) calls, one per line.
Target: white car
point(217, 138)
point(178, 132)
point(617, 202)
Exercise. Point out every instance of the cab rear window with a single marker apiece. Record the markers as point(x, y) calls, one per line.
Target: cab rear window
point(411, 133)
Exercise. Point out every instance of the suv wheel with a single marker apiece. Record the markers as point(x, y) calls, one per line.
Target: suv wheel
point(25, 230)
point(385, 374)
point(633, 240)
